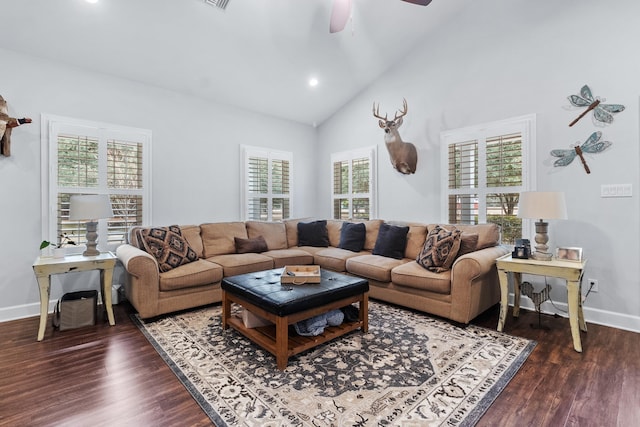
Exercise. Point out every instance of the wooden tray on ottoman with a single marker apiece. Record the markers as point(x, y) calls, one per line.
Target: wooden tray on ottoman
point(300, 274)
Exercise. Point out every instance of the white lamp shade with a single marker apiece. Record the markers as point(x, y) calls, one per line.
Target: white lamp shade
point(542, 205)
point(87, 207)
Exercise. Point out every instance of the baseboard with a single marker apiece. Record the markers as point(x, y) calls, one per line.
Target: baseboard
point(28, 310)
point(591, 315)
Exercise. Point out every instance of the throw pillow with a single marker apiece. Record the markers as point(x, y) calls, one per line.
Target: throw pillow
point(468, 243)
point(313, 234)
point(391, 241)
point(255, 245)
point(352, 236)
point(440, 249)
point(167, 246)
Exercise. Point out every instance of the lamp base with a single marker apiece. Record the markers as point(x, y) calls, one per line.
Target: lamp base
point(92, 237)
point(541, 256)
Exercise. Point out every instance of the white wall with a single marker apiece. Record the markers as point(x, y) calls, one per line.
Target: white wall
point(196, 160)
point(504, 59)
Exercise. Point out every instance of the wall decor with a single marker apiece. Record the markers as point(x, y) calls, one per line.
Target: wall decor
point(601, 112)
point(403, 155)
point(592, 145)
point(6, 124)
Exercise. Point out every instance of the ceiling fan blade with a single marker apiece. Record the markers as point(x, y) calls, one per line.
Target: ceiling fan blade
point(419, 2)
point(339, 15)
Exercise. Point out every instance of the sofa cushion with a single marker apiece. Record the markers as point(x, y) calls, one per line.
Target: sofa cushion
point(218, 237)
point(334, 227)
point(488, 233)
point(168, 246)
point(234, 264)
point(440, 249)
point(372, 226)
point(334, 258)
point(413, 275)
point(274, 233)
point(291, 256)
point(255, 245)
point(391, 241)
point(192, 234)
point(313, 234)
point(374, 267)
point(197, 273)
point(352, 236)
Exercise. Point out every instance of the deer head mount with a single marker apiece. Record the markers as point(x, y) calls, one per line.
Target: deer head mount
point(403, 155)
point(6, 124)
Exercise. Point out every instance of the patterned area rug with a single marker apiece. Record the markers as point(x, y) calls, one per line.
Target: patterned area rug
point(409, 370)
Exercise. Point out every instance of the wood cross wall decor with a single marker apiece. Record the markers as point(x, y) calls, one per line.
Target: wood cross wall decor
point(6, 124)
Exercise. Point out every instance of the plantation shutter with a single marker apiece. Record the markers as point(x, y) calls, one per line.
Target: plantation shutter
point(353, 183)
point(93, 158)
point(267, 185)
point(486, 168)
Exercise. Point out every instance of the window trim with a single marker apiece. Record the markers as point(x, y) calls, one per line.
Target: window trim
point(50, 126)
point(525, 125)
point(247, 151)
point(372, 153)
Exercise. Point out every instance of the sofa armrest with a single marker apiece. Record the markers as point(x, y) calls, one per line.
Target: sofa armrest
point(474, 283)
point(138, 262)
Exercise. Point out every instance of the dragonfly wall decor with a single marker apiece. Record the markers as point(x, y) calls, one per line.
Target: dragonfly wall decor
point(591, 145)
point(601, 112)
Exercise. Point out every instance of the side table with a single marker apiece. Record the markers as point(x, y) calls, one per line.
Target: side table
point(44, 267)
point(571, 271)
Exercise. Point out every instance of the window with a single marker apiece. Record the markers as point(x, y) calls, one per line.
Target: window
point(353, 184)
point(487, 169)
point(82, 157)
point(267, 178)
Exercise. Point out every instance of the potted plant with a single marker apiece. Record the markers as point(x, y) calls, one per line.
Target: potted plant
point(58, 249)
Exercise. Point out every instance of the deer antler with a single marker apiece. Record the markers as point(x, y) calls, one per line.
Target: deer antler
point(376, 112)
point(403, 111)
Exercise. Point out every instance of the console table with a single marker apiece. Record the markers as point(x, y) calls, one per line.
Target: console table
point(571, 271)
point(44, 267)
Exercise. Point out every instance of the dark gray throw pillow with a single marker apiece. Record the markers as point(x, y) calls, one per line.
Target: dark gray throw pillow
point(313, 234)
point(352, 236)
point(391, 241)
point(255, 245)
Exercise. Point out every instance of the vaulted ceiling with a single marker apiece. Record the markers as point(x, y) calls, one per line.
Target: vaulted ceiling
point(255, 54)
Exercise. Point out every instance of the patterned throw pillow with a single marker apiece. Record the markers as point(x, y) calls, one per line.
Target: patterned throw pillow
point(440, 249)
point(168, 247)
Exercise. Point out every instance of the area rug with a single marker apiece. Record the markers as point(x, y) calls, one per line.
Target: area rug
point(409, 369)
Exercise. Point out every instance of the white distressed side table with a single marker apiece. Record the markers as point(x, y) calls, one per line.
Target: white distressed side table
point(44, 267)
point(571, 271)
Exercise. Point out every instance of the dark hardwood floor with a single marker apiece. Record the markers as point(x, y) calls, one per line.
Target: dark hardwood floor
point(101, 375)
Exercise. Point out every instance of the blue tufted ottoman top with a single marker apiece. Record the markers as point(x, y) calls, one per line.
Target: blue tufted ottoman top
point(264, 290)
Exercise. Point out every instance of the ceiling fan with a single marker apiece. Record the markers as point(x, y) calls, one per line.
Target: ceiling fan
point(342, 10)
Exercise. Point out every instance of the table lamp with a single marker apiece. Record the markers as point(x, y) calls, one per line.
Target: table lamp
point(542, 205)
point(90, 208)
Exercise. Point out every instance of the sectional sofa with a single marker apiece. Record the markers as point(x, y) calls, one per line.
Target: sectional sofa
point(203, 254)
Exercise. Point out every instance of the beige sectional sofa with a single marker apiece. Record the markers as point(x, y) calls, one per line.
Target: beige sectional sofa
point(460, 294)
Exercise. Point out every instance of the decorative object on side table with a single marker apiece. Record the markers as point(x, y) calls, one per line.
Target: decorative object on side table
point(58, 249)
point(90, 208)
point(569, 254)
point(542, 205)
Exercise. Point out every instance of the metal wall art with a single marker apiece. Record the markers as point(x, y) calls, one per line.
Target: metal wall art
point(601, 112)
point(592, 145)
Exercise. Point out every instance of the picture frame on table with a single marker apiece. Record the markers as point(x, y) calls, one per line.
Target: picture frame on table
point(569, 254)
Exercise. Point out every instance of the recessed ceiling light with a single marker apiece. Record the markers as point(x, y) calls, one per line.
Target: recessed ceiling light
point(91, 1)
point(313, 82)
